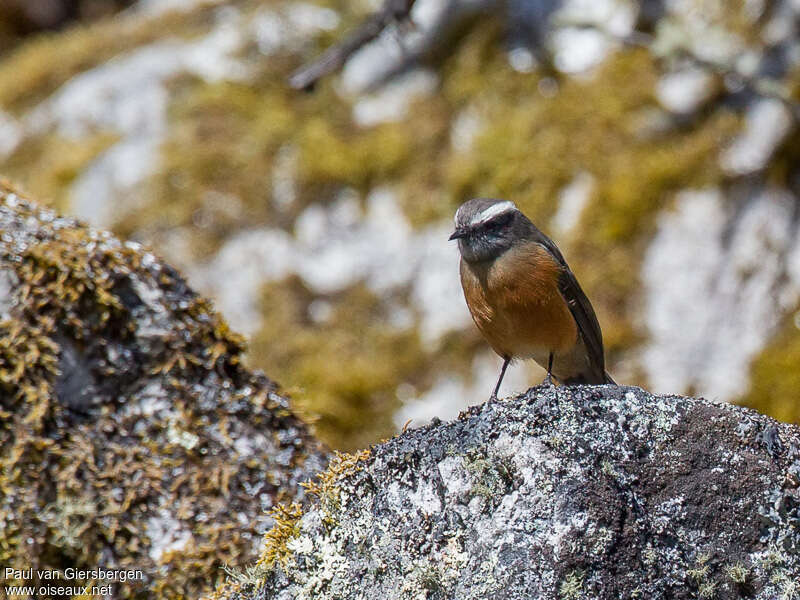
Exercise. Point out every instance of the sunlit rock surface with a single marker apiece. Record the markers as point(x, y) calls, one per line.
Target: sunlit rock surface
point(131, 437)
point(561, 493)
point(320, 219)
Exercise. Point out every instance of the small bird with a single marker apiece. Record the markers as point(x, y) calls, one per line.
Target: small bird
point(523, 296)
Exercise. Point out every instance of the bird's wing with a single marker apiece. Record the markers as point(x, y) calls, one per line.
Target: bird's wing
point(580, 307)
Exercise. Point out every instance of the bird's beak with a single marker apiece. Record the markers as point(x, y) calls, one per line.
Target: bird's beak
point(460, 232)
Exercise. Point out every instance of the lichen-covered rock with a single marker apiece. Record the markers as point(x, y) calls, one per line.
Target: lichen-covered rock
point(131, 437)
point(561, 493)
point(643, 135)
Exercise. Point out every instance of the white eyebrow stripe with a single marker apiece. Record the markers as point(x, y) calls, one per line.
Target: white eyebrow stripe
point(493, 211)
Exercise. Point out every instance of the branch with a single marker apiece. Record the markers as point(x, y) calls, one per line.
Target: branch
point(393, 11)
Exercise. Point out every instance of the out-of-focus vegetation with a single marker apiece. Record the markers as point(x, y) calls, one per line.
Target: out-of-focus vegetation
point(775, 374)
point(20, 19)
point(535, 132)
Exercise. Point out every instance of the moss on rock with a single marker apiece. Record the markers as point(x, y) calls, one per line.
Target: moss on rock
point(132, 437)
point(604, 492)
point(233, 147)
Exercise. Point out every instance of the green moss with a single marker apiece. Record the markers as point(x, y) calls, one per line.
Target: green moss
point(225, 143)
point(737, 573)
point(707, 590)
point(775, 375)
point(38, 67)
point(75, 485)
point(287, 518)
point(28, 359)
point(286, 528)
point(326, 486)
point(346, 370)
point(60, 161)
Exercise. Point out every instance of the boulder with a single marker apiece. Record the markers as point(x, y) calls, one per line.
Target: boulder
point(131, 436)
point(561, 493)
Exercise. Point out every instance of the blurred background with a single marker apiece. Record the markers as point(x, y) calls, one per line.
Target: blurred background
point(655, 140)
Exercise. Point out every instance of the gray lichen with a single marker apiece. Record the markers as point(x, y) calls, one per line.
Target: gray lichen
point(593, 492)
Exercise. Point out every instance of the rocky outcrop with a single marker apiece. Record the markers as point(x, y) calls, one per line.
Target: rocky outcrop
point(561, 493)
point(642, 135)
point(131, 436)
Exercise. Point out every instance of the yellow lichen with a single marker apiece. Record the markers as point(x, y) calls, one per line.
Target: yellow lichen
point(326, 487)
point(286, 527)
point(287, 517)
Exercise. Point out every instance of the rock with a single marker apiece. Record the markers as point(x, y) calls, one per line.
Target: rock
point(586, 492)
point(173, 124)
point(767, 124)
point(131, 436)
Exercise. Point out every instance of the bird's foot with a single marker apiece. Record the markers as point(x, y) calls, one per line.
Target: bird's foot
point(548, 380)
point(493, 398)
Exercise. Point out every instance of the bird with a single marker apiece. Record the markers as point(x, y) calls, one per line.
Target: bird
point(523, 297)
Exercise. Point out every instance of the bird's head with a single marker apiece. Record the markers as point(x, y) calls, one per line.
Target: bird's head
point(485, 228)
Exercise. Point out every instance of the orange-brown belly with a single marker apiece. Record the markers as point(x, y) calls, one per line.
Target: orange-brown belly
point(516, 304)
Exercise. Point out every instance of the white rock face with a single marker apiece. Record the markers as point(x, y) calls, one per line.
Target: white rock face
point(685, 90)
point(571, 202)
point(767, 123)
point(166, 534)
point(10, 134)
point(466, 126)
point(379, 57)
point(153, 8)
point(616, 17)
point(8, 281)
point(391, 102)
point(288, 26)
point(699, 28)
point(335, 247)
point(577, 50)
point(715, 289)
point(587, 31)
point(497, 503)
point(127, 96)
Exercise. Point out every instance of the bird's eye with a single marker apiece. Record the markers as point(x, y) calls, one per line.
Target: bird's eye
point(493, 225)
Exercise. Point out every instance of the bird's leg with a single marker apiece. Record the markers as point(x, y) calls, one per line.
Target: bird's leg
point(506, 360)
point(549, 377)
